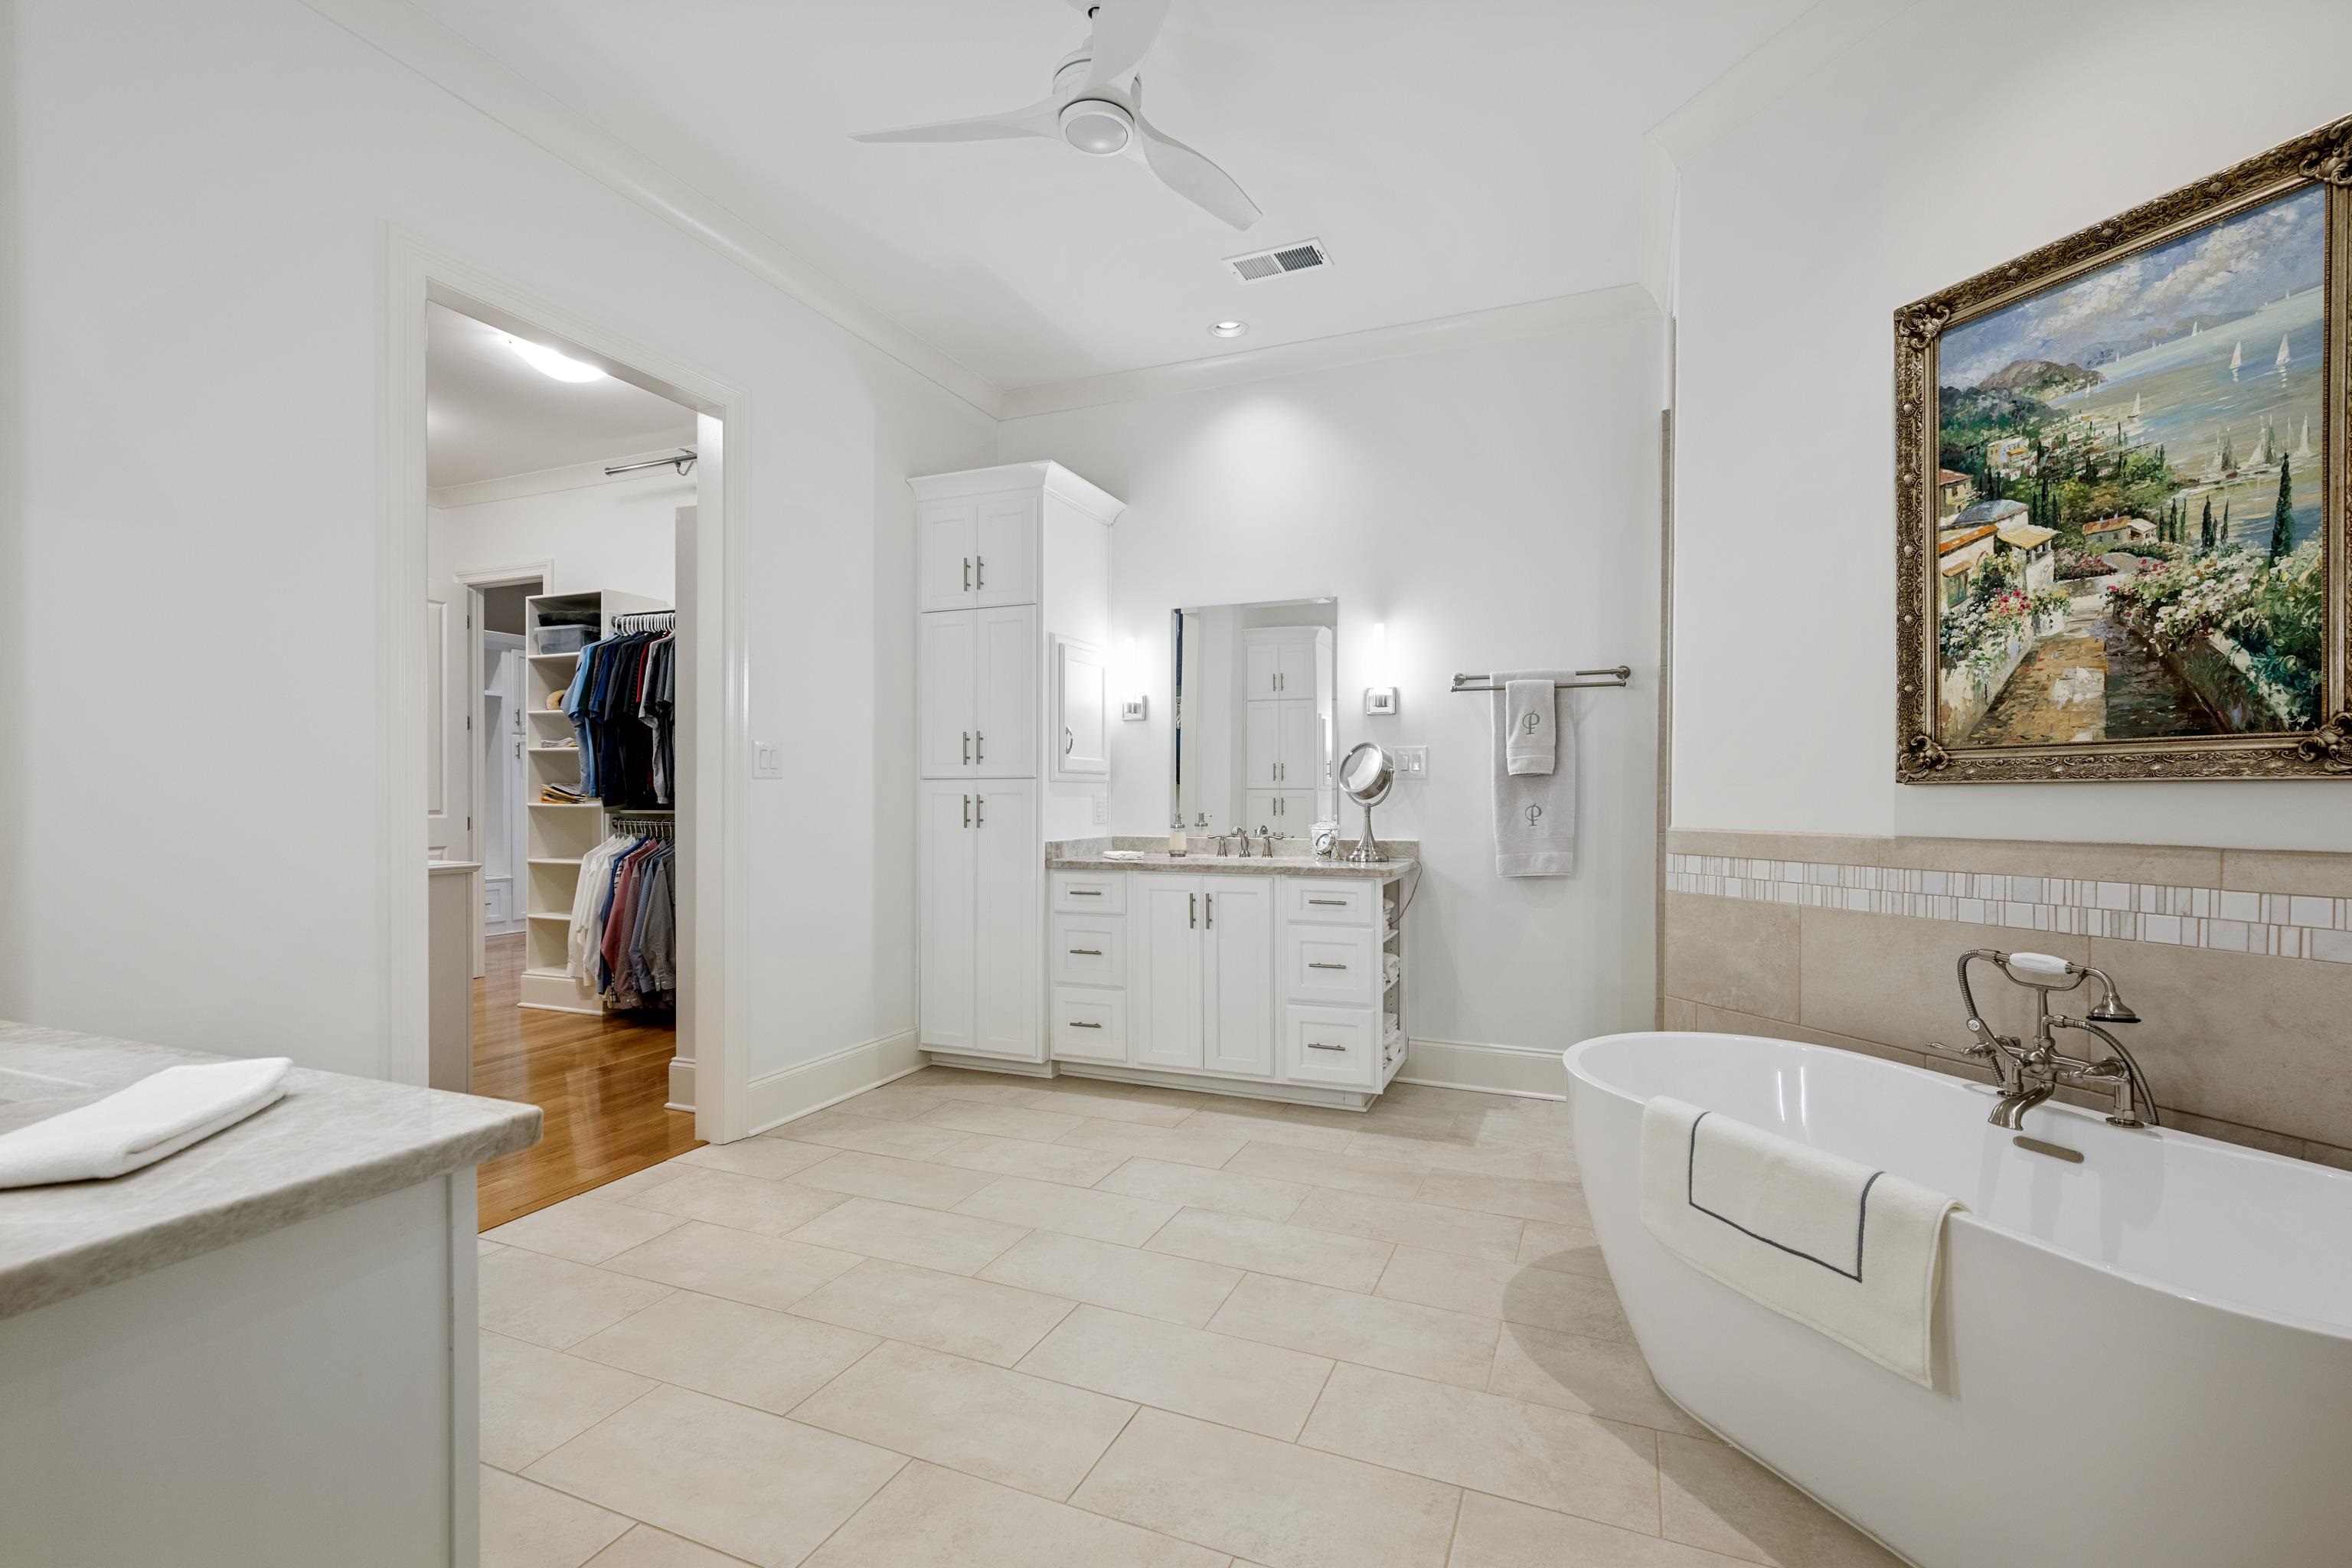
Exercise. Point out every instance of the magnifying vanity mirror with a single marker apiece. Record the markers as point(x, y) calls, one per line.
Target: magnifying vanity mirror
point(1366, 775)
point(1254, 709)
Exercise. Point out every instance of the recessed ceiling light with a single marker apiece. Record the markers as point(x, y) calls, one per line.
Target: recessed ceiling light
point(547, 362)
point(1228, 329)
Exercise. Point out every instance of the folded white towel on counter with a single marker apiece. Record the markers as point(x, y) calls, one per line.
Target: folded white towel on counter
point(1533, 708)
point(1534, 814)
point(1846, 1250)
point(158, 1116)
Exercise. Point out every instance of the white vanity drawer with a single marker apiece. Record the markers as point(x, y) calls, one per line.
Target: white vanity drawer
point(1339, 1046)
point(1331, 903)
point(1089, 1025)
point(1090, 893)
point(1331, 963)
point(1088, 950)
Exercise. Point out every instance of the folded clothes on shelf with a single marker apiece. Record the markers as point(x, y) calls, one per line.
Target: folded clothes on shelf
point(557, 794)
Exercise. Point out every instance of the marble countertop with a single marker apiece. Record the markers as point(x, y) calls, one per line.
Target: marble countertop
point(1292, 859)
point(332, 1141)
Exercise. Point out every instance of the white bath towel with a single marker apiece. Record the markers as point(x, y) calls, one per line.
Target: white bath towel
point(1533, 709)
point(159, 1115)
point(1838, 1247)
point(1534, 814)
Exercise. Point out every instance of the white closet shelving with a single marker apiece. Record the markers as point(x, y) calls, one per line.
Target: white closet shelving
point(559, 836)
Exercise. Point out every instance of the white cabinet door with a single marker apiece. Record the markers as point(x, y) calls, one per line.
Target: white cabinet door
point(1294, 668)
point(1294, 811)
point(948, 535)
point(1164, 974)
point(1262, 745)
point(1004, 680)
point(1294, 769)
point(1008, 956)
point(1264, 659)
point(947, 847)
point(1081, 737)
point(1237, 929)
point(946, 655)
point(1004, 554)
point(1261, 808)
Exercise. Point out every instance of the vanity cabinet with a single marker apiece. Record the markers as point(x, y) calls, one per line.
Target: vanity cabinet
point(1204, 980)
point(976, 698)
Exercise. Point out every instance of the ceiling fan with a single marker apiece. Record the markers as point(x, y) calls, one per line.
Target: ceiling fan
point(1096, 107)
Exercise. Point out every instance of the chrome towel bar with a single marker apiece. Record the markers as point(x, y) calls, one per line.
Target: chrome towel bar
point(1617, 675)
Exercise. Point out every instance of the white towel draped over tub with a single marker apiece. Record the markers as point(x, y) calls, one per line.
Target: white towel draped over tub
point(159, 1115)
point(1840, 1248)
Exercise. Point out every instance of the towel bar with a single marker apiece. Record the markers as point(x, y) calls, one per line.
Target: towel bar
point(1618, 675)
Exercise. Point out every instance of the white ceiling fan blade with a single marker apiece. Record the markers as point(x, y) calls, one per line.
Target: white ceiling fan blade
point(1191, 176)
point(1124, 33)
point(1037, 119)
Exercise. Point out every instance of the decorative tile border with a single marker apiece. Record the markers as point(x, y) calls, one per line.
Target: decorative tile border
point(2283, 925)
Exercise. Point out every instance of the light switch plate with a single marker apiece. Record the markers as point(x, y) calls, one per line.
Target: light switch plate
point(767, 759)
point(1413, 761)
point(1102, 808)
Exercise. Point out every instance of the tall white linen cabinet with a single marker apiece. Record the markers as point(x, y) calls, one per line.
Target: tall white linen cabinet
point(1013, 594)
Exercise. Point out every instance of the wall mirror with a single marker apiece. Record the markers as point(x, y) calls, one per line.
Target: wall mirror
point(1254, 709)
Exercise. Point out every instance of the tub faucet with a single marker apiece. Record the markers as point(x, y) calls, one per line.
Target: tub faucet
point(2028, 1075)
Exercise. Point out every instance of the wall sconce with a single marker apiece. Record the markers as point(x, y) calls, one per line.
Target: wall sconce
point(1132, 709)
point(1381, 702)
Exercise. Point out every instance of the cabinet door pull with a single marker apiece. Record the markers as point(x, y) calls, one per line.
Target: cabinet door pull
point(1086, 892)
point(1312, 965)
point(967, 574)
point(1193, 905)
point(967, 811)
point(967, 748)
point(1069, 741)
point(980, 745)
point(1086, 953)
point(1211, 898)
point(1334, 903)
point(1319, 1046)
point(979, 818)
point(982, 562)
point(1075, 1025)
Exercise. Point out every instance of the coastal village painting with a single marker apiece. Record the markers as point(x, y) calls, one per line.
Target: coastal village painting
point(2130, 495)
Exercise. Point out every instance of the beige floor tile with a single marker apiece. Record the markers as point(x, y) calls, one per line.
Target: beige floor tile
point(1494, 1532)
point(1526, 1165)
point(1108, 1106)
point(1572, 1304)
point(1324, 1116)
point(841, 1129)
point(637, 1182)
point(527, 1526)
point(1523, 1122)
point(1400, 1336)
point(1554, 1202)
point(1432, 1099)
point(716, 1473)
point(534, 1400)
point(1293, 1252)
point(1719, 1498)
point(748, 1354)
point(933, 1518)
point(1414, 1224)
point(484, 1248)
point(1002, 1120)
point(763, 1271)
point(1570, 1248)
point(928, 1238)
point(646, 1547)
point(1270, 1130)
point(1023, 1157)
point(900, 1102)
point(982, 1088)
point(585, 1229)
point(1174, 1143)
point(1269, 1502)
point(553, 1302)
point(1260, 1197)
point(1595, 1377)
point(773, 1158)
point(1322, 1168)
point(1074, 1211)
point(947, 1312)
point(1257, 1387)
point(1147, 1284)
point(892, 1180)
point(1010, 1428)
point(1535, 1453)
point(740, 1203)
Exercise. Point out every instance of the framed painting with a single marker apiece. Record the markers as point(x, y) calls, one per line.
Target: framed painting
point(2122, 547)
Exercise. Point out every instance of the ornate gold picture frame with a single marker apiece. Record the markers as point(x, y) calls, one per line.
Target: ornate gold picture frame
point(2121, 540)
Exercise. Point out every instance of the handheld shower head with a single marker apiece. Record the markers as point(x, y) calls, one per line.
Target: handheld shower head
point(2111, 1008)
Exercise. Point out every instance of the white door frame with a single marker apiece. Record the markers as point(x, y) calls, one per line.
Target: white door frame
point(711, 812)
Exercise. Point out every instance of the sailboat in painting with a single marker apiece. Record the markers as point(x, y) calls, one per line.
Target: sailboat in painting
point(2283, 357)
point(2237, 358)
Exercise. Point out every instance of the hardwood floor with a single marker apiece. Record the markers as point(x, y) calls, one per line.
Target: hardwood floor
point(600, 1082)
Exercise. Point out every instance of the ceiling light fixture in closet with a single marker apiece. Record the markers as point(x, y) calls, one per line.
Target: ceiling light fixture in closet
point(1228, 329)
point(547, 362)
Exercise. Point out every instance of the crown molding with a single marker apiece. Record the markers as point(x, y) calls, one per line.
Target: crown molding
point(1566, 312)
point(1771, 71)
point(486, 84)
point(547, 481)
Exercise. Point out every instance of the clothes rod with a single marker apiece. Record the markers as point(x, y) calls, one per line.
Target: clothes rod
point(684, 463)
point(1618, 675)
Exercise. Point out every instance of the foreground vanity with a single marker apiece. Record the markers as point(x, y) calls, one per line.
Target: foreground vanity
point(257, 1352)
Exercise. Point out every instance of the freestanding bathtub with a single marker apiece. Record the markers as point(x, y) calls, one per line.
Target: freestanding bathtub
point(2142, 1359)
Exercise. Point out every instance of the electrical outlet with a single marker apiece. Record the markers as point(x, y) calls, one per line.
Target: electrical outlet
point(767, 759)
point(1413, 761)
point(1102, 808)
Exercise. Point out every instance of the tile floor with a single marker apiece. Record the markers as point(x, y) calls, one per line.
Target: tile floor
point(973, 1321)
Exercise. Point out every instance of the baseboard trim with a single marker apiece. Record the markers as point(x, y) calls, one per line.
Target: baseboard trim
point(1530, 1072)
point(795, 1091)
point(987, 1064)
point(681, 1083)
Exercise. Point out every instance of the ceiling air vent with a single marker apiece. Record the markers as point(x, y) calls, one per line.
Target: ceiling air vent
point(1260, 265)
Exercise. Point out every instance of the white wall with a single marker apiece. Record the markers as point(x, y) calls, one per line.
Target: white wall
point(1954, 138)
point(619, 535)
point(188, 843)
point(1496, 507)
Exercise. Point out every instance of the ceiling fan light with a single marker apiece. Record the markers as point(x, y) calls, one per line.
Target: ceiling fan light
point(1097, 127)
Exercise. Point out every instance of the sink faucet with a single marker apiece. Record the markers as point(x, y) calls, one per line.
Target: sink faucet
point(2029, 1074)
